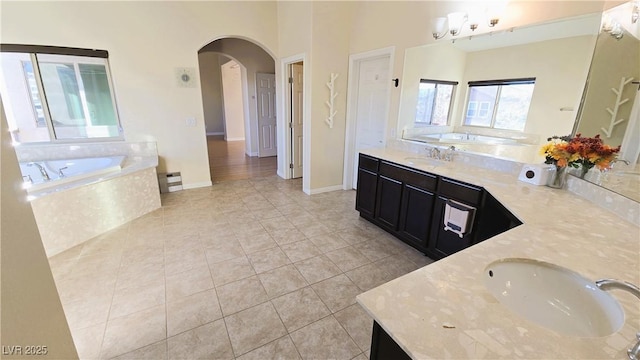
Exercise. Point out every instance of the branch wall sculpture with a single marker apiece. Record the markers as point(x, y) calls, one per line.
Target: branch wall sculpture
point(619, 102)
point(332, 95)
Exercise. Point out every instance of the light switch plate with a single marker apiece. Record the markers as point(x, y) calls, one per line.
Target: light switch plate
point(186, 77)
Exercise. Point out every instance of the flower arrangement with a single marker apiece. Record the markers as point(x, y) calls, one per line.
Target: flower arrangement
point(579, 152)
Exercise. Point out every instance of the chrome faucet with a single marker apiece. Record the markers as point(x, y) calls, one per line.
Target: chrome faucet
point(60, 173)
point(435, 153)
point(609, 284)
point(43, 171)
point(448, 154)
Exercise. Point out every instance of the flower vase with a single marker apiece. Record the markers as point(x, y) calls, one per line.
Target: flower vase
point(558, 179)
point(584, 170)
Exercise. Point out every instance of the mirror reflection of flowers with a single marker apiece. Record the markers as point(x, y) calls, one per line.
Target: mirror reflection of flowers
point(579, 152)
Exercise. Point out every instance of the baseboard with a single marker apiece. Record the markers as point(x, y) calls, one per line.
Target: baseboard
point(234, 139)
point(216, 133)
point(253, 154)
point(325, 189)
point(197, 185)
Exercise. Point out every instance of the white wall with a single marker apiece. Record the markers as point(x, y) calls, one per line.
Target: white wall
point(210, 79)
point(146, 42)
point(233, 101)
point(426, 62)
point(31, 310)
point(560, 68)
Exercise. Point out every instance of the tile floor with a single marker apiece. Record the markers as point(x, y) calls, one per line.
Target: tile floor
point(248, 269)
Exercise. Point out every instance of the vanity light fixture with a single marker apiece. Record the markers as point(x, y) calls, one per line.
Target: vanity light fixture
point(613, 27)
point(455, 21)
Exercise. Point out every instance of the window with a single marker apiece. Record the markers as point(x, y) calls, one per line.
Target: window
point(57, 94)
point(434, 102)
point(499, 104)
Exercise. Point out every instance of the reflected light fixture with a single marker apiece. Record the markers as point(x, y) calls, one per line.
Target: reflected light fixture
point(635, 12)
point(454, 22)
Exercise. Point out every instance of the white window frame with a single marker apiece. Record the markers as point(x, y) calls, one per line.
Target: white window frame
point(454, 84)
point(75, 56)
point(479, 104)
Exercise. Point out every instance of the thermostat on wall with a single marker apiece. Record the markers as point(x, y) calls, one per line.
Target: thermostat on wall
point(536, 174)
point(186, 77)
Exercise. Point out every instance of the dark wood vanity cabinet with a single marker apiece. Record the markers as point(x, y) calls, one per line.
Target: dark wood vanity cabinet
point(410, 204)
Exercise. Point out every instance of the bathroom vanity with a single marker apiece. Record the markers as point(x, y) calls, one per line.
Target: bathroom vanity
point(444, 310)
point(410, 204)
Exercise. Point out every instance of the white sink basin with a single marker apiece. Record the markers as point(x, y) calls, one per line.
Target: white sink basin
point(553, 297)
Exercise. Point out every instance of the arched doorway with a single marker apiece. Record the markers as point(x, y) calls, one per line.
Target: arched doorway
point(240, 74)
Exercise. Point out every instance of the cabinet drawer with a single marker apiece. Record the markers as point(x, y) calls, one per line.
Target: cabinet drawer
point(418, 179)
point(460, 191)
point(368, 162)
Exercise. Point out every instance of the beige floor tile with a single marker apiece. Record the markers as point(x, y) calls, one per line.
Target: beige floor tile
point(361, 357)
point(254, 243)
point(188, 283)
point(317, 268)
point(209, 341)
point(300, 308)
point(88, 340)
point(282, 280)
point(397, 265)
point(184, 259)
point(287, 236)
point(300, 250)
point(368, 276)
point(314, 229)
point(268, 259)
point(240, 295)
point(337, 292)
point(353, 235)
point(192, 311)
point(228, 271)
point(227, 250)
point(358, 324)
point(254, 327)
point(278, 223)
point(135, 275)
point(328, 242)
point(373, 250)
point(82, 314)
point(324, 339)
point(133, 299)
point(157, 351)
point(134, 331)
point(280, 349)
point(347, 258)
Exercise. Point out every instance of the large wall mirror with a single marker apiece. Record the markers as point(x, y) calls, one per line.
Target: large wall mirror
point(557, 54)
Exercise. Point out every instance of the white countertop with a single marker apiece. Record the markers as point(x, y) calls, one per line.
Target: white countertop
point(443, 309)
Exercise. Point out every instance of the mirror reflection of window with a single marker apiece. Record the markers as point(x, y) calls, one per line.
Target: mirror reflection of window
point(499, 104)
point(435, 100)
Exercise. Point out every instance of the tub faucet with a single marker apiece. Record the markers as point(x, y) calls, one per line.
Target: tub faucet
point(43, 171)
point(609, 284)
point(60, 173)
point(626, 162)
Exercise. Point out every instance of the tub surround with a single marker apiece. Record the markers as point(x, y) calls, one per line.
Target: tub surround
point(76, 211)
point(444, 311)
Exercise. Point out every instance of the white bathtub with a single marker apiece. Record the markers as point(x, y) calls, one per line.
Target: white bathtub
point(65, 171)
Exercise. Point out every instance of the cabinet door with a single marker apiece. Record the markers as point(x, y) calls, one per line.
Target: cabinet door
point(388, 202)
point(444, 243)
point(366, 192)
point(415, 216)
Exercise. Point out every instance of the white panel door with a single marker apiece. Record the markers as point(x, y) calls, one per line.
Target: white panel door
point(296, 120)
point(266, 84)
point(371, 108)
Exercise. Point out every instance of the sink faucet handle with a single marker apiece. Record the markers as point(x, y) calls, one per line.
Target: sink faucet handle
point(60, 173)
